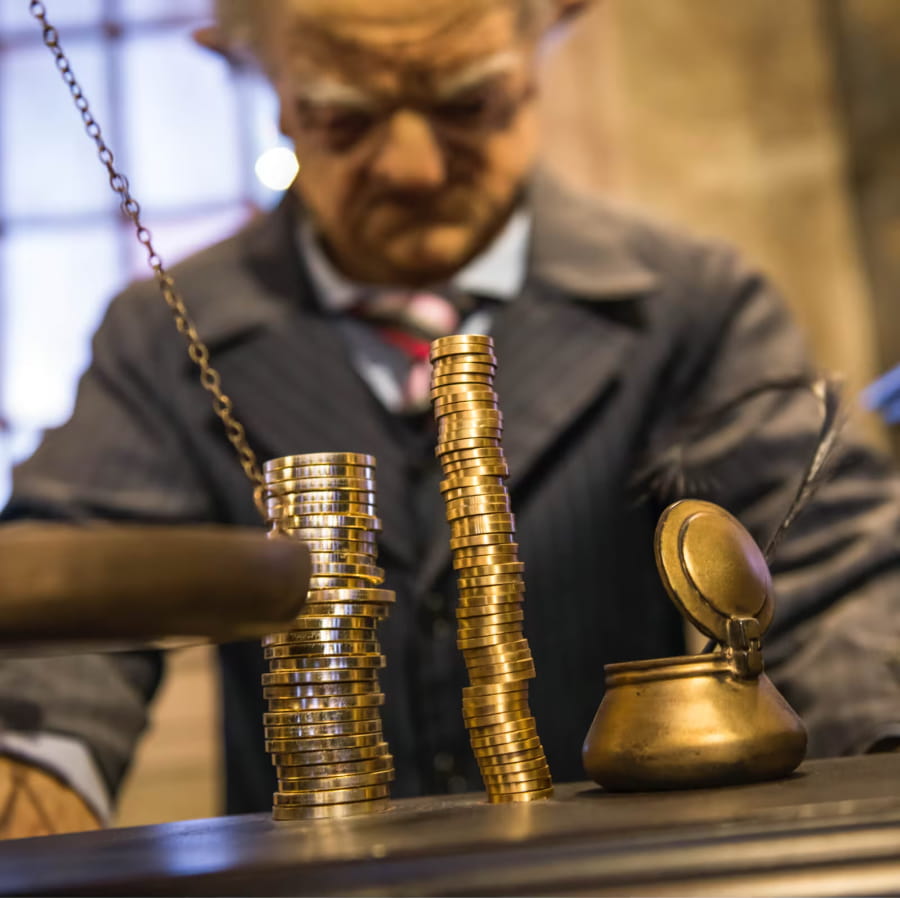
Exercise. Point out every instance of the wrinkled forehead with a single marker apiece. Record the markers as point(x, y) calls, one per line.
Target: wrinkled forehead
point(381, 44)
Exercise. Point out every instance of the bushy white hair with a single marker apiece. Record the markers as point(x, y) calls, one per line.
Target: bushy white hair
point(239, 20)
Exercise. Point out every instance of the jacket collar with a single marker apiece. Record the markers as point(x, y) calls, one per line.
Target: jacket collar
point(578, 245)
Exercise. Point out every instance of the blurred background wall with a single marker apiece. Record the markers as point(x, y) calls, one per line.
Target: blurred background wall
point(773, 125)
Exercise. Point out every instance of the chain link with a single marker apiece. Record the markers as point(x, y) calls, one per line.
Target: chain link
point(197, 350)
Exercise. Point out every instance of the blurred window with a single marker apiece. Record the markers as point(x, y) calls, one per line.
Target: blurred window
point(184, 128)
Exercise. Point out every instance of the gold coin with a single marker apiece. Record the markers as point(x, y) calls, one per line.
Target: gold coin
point(454, 342)
point(343, 521)
point(295, 637)
point(465, 580)
point(294, 650)
point(495, 700)
point(323, 581)
point(506, 553)
point(496, 673)
point(322, 702)
point(501, 717)
point(474, 482)
point(347, 781)
point(485, 594)
point(480, 470)
point(513, 650)
point(443, 448)
point(469, 413)
point(346, 768)
point(331, 796)
point(495, 492)
point(493, 704)
point(489, 569)
point(476, 552)
point(453, 434)
point(282, 747)
point(484, 523)
point(520, 749)
point(365, 594)
point(482, 539)
point(371, 752)
point(536, 762)
point(536, 785)
point(456, 365)
point(328, 670)
point(318, 497)
point(365, 546)
point(301, 661)
point(308, 509)
point(316, 484)
point(495, 737)
point(319, 472)
point(487, 454)
point(442, 382)
point(315, 731)
point(348, 609)
point(340, 622)
point(335, 534)
point(468, 404)
point(365, 571)
point(491, 689)
point(296, 813)
point(536, 795)
point(502, 605)
point(490, 637)
point(324, 559)
point(464, 566)
point(518, 777)
point(490, 619)
point(477, 505)
point(320, 717)
point(277, 685)
point(320, 458)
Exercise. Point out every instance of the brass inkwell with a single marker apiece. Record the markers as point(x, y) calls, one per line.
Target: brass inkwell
point(699, 720)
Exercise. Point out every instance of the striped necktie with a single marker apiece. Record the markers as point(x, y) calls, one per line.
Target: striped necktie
point(409, 321)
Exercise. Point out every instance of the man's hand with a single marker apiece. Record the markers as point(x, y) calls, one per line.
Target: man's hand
point(35, 803)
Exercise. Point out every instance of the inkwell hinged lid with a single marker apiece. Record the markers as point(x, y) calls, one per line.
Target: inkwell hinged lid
point(708, 719)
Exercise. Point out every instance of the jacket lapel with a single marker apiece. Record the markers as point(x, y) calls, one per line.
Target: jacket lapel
point(314, 400)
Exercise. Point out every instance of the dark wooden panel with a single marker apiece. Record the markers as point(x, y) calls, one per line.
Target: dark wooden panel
point(834, 828)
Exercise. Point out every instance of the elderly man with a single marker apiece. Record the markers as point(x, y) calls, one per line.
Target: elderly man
point(415, 123)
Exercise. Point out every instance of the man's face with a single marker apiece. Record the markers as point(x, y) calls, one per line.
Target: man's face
point(414, 123)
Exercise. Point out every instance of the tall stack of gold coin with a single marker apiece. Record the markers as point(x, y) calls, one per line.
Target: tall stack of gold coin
point(323, 726)
point(489, 574)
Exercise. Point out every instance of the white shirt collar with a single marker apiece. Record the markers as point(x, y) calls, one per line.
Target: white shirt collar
point(498, 272)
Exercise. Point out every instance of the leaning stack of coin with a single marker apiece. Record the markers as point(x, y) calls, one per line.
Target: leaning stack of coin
point(489, 574)
point(323, 726)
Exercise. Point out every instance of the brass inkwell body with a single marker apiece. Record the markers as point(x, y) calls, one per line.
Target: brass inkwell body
point(699, 720)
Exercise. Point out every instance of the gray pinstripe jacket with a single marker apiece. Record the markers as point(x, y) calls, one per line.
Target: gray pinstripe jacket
point(622, 329)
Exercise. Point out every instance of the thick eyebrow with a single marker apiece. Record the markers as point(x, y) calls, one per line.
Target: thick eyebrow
point(480, 71)
point(327, 92)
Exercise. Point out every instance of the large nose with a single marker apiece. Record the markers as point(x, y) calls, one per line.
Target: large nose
point(409, 156)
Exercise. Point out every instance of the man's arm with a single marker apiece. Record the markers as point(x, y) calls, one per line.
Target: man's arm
point(119, 457)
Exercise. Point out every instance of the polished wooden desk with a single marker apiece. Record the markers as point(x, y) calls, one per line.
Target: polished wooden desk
point(831, 829)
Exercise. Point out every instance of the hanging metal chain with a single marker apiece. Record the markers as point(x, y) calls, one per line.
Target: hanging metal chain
point(197, 350)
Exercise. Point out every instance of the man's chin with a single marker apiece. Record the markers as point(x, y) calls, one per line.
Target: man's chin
point(429, 255)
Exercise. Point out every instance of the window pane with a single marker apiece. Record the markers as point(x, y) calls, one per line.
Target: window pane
point(176, 239)
point(154, 10)
point(182, 123)
point(56, 282)
point(14, 15)
point(49, 165)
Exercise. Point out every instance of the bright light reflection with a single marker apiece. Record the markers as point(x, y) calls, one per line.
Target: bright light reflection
point(277, 168)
